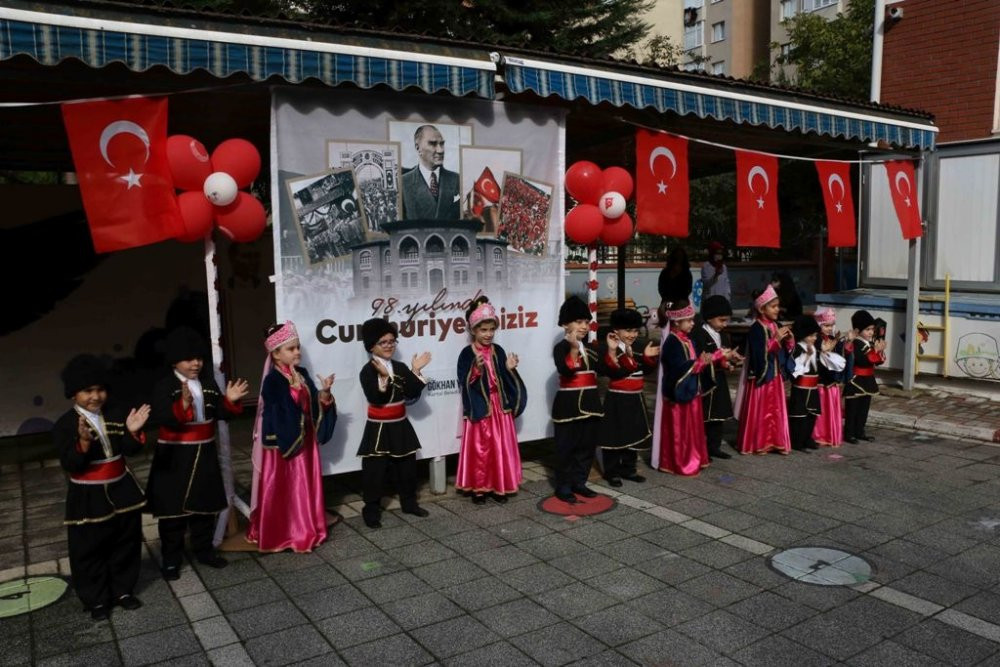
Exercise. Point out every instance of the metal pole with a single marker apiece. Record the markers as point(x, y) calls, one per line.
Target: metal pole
point(878, 37)
point(621, 276)
point(912, 313)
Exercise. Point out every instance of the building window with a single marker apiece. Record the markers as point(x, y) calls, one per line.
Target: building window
point(693, 4)
point(459, 247)
point(497, 256)
point(387, 281)
point(499, 277)
point(479, 277)
point(694, 35)
point(719, 67)
point(365, 259)
point(404, 280)
point(479, 253)
point(386, 257)
point(465, 277)
point(365, 282)
point(789, 8)
point(693, 66)
point(434, 245)
point(786, 50)
point(458, 278)
point(409, 251)
point(718, 31)
point(813, 5)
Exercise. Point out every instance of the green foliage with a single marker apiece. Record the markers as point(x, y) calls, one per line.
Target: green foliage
point(832, 57)
point(28, 177)
point(658, 51)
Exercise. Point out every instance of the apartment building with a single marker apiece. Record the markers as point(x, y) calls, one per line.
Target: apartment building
point(727, 37)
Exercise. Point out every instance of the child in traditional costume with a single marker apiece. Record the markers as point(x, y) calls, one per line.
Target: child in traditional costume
point(803, 401)
point(868, 353)
point(625, 427)
point(682, 439)
point(388, 438)
point(829, 429)
point(576, 410)
point(103, 498)
point(716, 403)
point(489, 461)
point(185, 490)
point(287, 510)
point(761, 408)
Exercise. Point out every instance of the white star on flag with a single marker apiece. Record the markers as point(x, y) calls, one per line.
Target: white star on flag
point(760, 202)
point(662, 187)
point(132, 179)
point(840, 207)
point(907, 200)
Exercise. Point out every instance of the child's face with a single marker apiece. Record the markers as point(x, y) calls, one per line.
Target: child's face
point(770, 309)
point(627, 336)
point(484, 332)
point(867, 333)
point(189, 368)
point(684, 325)
point(718, 323)
point(577, 329)
point(827, 328)
point(289, 354)
point(810, 339)
point(385, 347)
point(91, 398)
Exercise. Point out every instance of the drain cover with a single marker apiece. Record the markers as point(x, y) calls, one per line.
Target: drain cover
point(822, 566)
point(20, 596)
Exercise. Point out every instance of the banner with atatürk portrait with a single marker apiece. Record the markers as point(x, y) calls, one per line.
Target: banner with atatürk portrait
point(408, 207)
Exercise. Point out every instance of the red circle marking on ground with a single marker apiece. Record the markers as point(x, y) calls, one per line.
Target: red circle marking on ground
point(583, 506)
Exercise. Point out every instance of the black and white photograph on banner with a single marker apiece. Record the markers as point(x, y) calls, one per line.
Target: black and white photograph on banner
point(524, 214)
point(483, 168)
point(377, 173)
point(429, 154)
point(328, 211)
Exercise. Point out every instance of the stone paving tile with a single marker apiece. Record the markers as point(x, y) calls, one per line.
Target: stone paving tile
point(771, 611)
point(558, 644)
point(502, 559)
point(448, 572)
point(149, 617)
point(671, 607)
point(551, 546)
point(617, 625)
point(592, 565)
point(946, 643)
point(672, 569)
point(669, 647)
point(214, 632)
point(718, 588)
point(625, 583)
point(454, 636)
point(105, 655)
point(778, 651)
point(574, 600)
point(264, 619)
point(716, 555)
point(536, 578)
point(237, 572)
point(516, 617)
point(395, 586)
point(722, 631)
point(249, 594)
point(821, 598)
point(934, 588)
point(368, 566)
point(984, 605)
point(891, 653)
point(480, 593)
point(501, 654)
point(632, 522)
point(357, 627)
point(421, 610)
point(331, 602)
point(596, 533)
point(833, 637)
point(15, 649)
point(395, 650)
point(675, 538)
point(473, 541)
point(633, 550)
point(306, 580)
point(158, 646)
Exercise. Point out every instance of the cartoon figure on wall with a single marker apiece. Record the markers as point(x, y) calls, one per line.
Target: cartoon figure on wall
point(978, 356)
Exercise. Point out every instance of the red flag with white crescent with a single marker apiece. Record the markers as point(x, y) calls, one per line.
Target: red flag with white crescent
point(119, 150)
point(662, 191)
point(487, 186)
point(757, 222)
point(835, 180)
point(903, 188)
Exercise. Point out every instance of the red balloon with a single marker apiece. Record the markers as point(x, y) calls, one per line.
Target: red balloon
point(242, 221)
point(616, 179)
point(196, 214)
point(617, 231)
point(188, 161)
point(584, 223)
point(583, 182)
point(238, 158)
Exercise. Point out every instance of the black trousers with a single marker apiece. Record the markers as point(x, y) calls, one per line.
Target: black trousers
point(202, 529)
point(800, 430)
point(575, 444)
point(713, 436)
point(104, 557)
point(403, 471)
point(856, 416)
point(619, 462)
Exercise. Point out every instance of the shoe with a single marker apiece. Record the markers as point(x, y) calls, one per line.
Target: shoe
point(498, 498)
point(638, 479)
point(615, 481)
point(853, 441)
point(720, 455)
point(128, 602)
point(567, 498)
point(803, 449)
point(416, 510)
point(812, 445)
point(99, 612)
point(865, 438)
point(479, 499)
point(171, 572)
point(213, 560)
point(585, 492)
point(373, 523)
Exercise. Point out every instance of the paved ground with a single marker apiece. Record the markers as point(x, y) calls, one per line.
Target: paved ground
point(676, 574)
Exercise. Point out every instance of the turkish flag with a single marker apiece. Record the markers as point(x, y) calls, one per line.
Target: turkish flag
point(903, 188)
point(487, 186)
point(757, 200)
point(119, 149)
point(662, 189)
point(835, 180)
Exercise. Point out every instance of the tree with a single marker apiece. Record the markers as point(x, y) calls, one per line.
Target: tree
point(833, 57)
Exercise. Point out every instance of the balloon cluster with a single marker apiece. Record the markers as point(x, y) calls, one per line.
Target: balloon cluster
point(600, 212)
point(211, 188)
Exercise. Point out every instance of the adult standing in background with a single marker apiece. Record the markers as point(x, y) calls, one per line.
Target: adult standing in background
point(675, 281)
point(791, 304)
point(714, 274)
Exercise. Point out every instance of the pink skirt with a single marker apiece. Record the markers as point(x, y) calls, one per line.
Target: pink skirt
point(764, 419)
point(682, 438)
point(489, 460)
point(290, 511)
point(829, 429)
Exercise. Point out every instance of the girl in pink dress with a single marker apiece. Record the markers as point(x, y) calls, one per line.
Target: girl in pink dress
point(683, 450)
point(293, 418)
point(760, 401)
point(839, 351)
point(489, 461)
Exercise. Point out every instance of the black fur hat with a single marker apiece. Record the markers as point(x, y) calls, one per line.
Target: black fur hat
point(184, 343)
point(374, 329)
point(625, 318)
point(804, 325)
point(82, 371)
point(862, 319)
point(573, 309)
point(716, 306)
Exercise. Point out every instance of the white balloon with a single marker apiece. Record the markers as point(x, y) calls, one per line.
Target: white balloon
point(220, 188)
point(612, 204)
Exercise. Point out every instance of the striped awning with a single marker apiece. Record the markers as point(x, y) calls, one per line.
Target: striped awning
point(50, 38)
point(741, 106)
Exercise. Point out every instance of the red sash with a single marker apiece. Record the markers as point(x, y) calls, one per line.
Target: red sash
point(864, 372)
point(101, 472)
point(807, 381)
point(385, 413)
point(626, 384)
point(188, 434)
point(582, 380)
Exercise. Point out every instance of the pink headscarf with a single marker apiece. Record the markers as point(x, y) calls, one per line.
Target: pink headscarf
point(765, 297)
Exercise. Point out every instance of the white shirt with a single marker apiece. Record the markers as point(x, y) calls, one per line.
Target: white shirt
point(721, 286)
point(716, 336)
point(197, 396)
point(426, 173)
